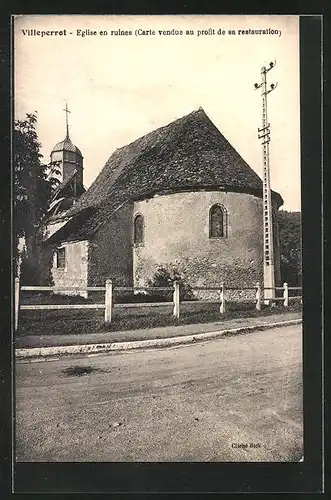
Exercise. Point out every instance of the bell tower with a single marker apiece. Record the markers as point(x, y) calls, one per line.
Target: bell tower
point(67, 157)
point(67, 167)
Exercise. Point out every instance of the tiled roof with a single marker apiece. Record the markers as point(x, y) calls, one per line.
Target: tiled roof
point(188, 154)
point(66, 145)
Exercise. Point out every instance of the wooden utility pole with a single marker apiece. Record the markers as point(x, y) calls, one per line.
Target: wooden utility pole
point(268, 243)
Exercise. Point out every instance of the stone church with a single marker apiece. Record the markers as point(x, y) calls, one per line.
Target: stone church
point(179, 196)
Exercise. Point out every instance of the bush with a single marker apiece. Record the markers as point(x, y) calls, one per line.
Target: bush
point(166, 276)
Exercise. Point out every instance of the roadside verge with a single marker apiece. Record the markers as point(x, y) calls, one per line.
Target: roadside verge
point(36, 352)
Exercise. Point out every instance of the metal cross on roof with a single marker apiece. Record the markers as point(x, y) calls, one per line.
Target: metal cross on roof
point(67, 123)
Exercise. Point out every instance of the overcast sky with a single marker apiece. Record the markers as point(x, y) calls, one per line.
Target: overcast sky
point(119, 88)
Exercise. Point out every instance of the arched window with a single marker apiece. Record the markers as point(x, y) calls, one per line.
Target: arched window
point(138, 229)
point(217, 222)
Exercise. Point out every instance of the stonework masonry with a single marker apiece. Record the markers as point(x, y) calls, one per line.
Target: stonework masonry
point(110, 250)
point(177, 233)
point(172, 176)
point(75, 271)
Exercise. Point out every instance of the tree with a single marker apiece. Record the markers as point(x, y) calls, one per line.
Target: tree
point(289, 224)
point(33, 187)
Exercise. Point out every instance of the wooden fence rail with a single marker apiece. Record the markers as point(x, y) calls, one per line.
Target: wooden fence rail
point(109, 305)
point(35, 307)
point(62, 289)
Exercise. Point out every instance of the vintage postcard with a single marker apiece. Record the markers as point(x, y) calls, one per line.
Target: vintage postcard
point(157, 230)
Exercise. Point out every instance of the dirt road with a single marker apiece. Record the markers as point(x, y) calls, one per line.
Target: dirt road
point(233, 399)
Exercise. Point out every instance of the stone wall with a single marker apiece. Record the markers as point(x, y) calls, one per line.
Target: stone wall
point(75, 271)
point(177, 233)
point(110, 250)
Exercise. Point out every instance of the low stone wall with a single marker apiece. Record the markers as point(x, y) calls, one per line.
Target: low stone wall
point(229, 294)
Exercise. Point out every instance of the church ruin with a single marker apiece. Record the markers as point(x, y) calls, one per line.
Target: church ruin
point(180, 195)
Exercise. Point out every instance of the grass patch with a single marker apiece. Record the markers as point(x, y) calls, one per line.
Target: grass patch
point(78, 321)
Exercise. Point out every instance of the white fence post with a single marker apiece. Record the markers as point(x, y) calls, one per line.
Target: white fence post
point(285, 294)
point(17, 301)
point(222, 299)
point(108, 301)
point(176, 299)
point(258, 296)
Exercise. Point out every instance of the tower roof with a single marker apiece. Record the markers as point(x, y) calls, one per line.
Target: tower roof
point(188, 154)
point(67, 145)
